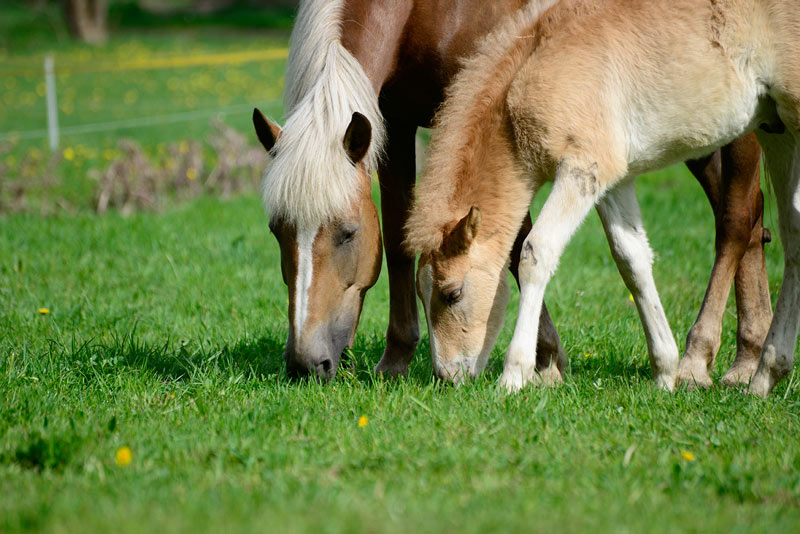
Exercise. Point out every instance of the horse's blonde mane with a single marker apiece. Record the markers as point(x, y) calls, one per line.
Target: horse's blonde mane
point(474, 105)
point(311, 179)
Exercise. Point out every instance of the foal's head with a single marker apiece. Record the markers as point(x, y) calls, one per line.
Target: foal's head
point(463, 286)
point(329, 263)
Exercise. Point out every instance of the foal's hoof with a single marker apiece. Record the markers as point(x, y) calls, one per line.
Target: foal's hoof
point(761, 385)
point(665, 382)
point(693, 374)
point(514, 378)
point(772, 368)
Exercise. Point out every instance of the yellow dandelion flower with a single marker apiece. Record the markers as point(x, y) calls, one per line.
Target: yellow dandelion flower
point(123, 456)
point(362, 421)
point(688, 456)
point(131, 97)
point(191, 173)
point(587, 355)
point(69, 153)
point(43, 311)
point(171, 395)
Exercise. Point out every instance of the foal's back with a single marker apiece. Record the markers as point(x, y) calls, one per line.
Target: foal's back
point(619, 77)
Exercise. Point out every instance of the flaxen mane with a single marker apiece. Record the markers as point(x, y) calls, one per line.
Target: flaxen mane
point(311, 178)
point(474, 109)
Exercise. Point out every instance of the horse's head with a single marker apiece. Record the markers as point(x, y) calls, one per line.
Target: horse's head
point(327, 266)
point(464, 290)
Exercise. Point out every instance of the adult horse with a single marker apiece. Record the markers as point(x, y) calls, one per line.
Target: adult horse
point(590, 94)
point(361, 77)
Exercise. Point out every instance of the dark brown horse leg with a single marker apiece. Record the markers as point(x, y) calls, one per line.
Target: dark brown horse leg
point(397, 174)
point(730, 178)
point(550, 356)
point(753, 306)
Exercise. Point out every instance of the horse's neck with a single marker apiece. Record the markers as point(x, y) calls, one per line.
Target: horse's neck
point(432, 35)
point(372, 31)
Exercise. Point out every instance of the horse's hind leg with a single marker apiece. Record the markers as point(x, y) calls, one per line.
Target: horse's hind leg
point(753, 306)
point(777, 355)
point(550, 356)
point(730, 178)
point(622, 221)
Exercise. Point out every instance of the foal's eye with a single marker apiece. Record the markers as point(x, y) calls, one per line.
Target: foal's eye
point(347, 236)
point(454, 296)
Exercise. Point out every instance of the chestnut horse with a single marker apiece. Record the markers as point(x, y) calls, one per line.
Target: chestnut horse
point(362, 76)
point(589, 94)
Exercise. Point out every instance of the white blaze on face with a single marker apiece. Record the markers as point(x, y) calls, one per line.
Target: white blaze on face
point(305, 272)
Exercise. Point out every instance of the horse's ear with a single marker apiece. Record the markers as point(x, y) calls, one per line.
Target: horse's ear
point(464, 233)
point(357, 137)
point(267, 131)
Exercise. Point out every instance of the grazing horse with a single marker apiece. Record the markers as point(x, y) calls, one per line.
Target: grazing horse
point(362, 76)
point(589, 94)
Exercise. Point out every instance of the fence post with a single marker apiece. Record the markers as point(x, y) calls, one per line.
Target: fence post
point(52, 107)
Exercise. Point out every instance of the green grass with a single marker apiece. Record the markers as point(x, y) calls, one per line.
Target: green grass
point(165, 335)
point(166, 330)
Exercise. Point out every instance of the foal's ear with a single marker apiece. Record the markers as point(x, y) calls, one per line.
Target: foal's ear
point(357, 137)
point(267, 131)
point(464, 233)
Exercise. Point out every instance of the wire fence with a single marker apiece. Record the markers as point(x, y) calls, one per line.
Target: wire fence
point(66, 69)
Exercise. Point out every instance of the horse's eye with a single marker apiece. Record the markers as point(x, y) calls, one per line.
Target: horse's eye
point(347, 236)
point(454, 296)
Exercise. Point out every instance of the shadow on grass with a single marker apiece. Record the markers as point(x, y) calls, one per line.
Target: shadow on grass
point(252, 358)
point(261, 358)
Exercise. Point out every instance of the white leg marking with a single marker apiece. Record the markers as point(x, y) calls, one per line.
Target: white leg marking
point(305, 273)
point(622, 221)
point(565, 208)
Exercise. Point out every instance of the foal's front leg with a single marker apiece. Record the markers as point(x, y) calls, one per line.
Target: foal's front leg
point(574, 193)
point(551, 359)
point(622, 221)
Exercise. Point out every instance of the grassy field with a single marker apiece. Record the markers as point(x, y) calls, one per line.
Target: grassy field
point(151, 396)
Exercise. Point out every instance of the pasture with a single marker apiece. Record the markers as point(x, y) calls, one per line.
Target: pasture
point(152, 396)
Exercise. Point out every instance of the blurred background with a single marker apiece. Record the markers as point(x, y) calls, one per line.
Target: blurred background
point(149, 100)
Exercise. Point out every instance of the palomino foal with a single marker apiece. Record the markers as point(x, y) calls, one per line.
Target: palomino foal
point(589, 95)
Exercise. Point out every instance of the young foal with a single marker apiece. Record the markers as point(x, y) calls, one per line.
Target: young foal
point(343, 54)
point(589, 95)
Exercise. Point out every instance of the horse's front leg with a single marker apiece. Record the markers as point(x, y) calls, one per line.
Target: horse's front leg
point(397, 174)
point(574, 193)
point(550, 356)
point(622, 221)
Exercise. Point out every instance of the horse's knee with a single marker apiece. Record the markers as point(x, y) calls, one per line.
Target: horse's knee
point(535, 265)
